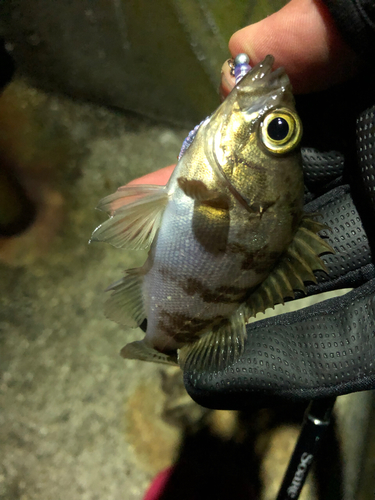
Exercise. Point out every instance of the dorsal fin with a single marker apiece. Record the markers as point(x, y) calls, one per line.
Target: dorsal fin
point(136, 213)
point(218, 348)
point(293, 269)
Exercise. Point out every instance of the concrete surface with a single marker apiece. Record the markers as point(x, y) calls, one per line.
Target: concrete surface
point(77, 421)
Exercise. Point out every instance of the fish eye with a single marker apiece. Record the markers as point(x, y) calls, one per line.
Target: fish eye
point(281, 131)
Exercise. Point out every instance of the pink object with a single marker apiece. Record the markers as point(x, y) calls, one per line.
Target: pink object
point(158, 485)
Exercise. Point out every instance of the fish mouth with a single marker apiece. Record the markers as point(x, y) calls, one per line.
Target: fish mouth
point(263, 75)
point(262, 87)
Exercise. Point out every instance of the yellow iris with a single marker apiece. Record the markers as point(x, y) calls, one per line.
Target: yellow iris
point(281, 131)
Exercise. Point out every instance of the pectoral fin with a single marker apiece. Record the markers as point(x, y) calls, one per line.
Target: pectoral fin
point(136, 213)
point(140, 350)
point(216, 349)
point(295, 267)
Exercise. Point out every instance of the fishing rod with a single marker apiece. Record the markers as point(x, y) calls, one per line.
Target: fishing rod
point(316, 421)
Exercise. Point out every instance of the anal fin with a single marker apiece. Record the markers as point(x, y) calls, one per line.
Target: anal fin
point(140, 350)
point(218, 348)
point(136, 213)
point(125, 305)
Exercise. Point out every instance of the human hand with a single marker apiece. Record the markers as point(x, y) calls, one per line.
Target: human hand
point(302, 38)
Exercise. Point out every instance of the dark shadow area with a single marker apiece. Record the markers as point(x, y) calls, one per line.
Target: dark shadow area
point(208, 467)
point(366, 483)
point(211, 467)
point(7, 66)
point(17, 212)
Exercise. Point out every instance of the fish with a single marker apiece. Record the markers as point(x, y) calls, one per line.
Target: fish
point(227, 236)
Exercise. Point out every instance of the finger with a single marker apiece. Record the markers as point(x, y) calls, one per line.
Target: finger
point(160, 177)
point(303, 38)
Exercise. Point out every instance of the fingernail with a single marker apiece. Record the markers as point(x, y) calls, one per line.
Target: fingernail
point(227, 80)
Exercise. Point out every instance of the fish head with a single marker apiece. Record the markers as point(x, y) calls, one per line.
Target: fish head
point(253, 138)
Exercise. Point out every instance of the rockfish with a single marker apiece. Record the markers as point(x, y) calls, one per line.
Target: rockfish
point(227, 236)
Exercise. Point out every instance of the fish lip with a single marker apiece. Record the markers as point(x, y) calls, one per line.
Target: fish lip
point(273, 84)
point(263, 74)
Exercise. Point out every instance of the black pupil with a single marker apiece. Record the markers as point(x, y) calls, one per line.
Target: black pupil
point(278, 129)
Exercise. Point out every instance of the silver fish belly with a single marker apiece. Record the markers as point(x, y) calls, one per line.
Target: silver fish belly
point(227, 235)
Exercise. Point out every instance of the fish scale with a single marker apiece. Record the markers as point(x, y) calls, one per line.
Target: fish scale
point(187, 261)
point(227, 235)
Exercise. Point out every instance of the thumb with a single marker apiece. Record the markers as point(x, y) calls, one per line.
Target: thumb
point(304, 39)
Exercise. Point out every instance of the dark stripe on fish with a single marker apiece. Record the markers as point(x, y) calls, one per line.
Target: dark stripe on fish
point(183, 328)
point(260, 261)
point(221, 295)
point(215, 240)
point(198, 191)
